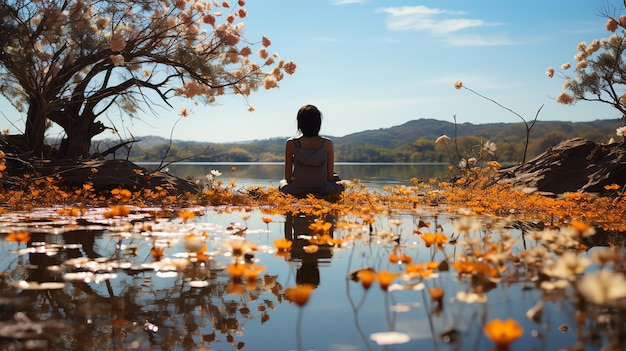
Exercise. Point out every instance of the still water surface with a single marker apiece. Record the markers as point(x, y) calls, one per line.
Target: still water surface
point(270, 173)
point(94, 284)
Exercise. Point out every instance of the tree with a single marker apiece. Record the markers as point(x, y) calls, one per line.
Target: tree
point(70, 61)
point(600, 71)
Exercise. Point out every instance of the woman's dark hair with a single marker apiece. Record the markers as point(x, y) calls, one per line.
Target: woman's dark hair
point(309, 120)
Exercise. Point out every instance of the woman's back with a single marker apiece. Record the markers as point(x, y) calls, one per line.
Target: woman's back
point(310, 166)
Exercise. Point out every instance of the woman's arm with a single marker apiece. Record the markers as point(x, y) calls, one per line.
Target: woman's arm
point(330, 159)
point(290, 147)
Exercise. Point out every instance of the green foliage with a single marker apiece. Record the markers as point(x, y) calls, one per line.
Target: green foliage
point(413, 141)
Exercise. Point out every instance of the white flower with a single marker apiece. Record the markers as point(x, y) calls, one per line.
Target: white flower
point(603, 287)
point(442, 140)
point(489, 147)
point(465, 225)
point(621, 131)
point(567, 266)
point(550, 72)
point(215, 173)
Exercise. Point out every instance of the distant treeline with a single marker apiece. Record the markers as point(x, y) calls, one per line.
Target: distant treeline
point(413, 141)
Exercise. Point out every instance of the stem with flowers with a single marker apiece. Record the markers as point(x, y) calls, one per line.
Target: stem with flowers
point(459, 85)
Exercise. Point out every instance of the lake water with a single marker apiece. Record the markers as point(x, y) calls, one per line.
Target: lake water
point(95, 283)
point(270, 173)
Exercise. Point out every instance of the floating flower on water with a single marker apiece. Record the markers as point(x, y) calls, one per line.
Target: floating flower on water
point(436, 238)
point(319, 226)
point(465, 225)
point(73, 211)
point(390, 338)
point(436, 294)
point(18, 237)
point(201, 254)
point(252, 272)
point(186, 215)
point(471, 297)
point(283, 244)
point(236, 270)
point(193, 243)
point(157, 252)
point(503, 333)
point(238, 247)
point(366, 276)
point(567, 266)
point(399, 258)
point(385, 278)
point(423, 270)
point(311, 249)
point(583, 228)
point(117, 211)
point(603, 287)
point(300, 294)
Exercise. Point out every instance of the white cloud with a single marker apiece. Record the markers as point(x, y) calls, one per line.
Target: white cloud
point(478, 40)
point(345, 2)
point(434, 20)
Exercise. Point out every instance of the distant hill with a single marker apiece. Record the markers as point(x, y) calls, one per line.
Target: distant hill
point(413, 141)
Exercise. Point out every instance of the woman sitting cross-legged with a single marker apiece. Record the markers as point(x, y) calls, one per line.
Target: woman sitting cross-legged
point(309, 159)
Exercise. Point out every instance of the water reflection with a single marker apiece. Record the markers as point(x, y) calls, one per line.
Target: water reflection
point(310, 257)
point(269, 174)
point(101, 288)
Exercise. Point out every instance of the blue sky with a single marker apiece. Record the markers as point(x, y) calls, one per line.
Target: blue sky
point(370, 64)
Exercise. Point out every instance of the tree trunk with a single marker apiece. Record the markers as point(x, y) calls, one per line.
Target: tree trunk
point(35, 128)
point(77, 144)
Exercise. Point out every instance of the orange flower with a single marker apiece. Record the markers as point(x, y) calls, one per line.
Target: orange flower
point(201, 254)
point(266, 220)
point(252, 272)
point(436, 294)
point(186, 215)
point(122, 194)
point(401, 258)
point(300, 294)
point(236, 270)
point(434, 238)
point(423, 269)
point(74, 212)
point(384, 279)
point(117, 211)
point(157, 253)
point(502, 333)
point(319, 226)
point(612, 187)
point(18, 237)
point(367, 277)
point(283, 244)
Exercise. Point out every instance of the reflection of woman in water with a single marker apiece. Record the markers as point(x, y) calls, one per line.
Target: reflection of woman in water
point(295, 227)
point(309, 158)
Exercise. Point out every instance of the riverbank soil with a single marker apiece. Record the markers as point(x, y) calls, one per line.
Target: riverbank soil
point(21, 169)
